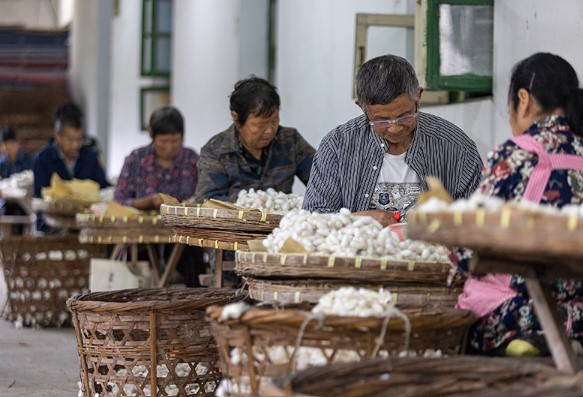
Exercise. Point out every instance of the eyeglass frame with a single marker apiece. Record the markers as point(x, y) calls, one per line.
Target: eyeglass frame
point(398, 120)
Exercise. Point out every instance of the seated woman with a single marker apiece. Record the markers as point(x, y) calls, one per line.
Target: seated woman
point(255, 151)
point(163, 166)
point(545, 105)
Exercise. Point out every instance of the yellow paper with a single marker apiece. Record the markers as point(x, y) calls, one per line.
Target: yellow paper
point(256, 246)
point(76, 190)
point(168, 200)
point(220, 205)
point(116, 209)
point(292, 246)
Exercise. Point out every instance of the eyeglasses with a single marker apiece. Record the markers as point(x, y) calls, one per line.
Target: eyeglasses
point(399, 120)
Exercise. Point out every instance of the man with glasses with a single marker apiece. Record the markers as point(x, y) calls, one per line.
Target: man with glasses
point(376, 164)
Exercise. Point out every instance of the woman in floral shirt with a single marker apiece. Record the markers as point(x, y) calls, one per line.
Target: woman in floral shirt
point(545, 105)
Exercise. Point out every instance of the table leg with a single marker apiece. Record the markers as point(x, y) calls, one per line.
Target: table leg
point(154, 263)
point(171, 264)
point(552, 325)
point(218, 279)
point(117, 249)
point(134, 255)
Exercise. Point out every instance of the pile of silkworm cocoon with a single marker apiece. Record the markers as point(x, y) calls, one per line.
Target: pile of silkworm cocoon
point(141, 371)
point(493, 203)
point(344, 234)
point(361, 302)
point(270, 201)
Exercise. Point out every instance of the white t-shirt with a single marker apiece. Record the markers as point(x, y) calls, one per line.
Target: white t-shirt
point(397, 186)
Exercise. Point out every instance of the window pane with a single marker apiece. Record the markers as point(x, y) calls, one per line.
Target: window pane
point(163, 54)
point(164, 16)
point(466, 36)
point(147, 57)
point(382, 40)
point(147, 28)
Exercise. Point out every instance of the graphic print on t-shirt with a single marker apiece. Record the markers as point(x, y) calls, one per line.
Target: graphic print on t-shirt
point(397, 186)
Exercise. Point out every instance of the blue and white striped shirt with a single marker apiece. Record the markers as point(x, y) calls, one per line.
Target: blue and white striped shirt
point(349, 159)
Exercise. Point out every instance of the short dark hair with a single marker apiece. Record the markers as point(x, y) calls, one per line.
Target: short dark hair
point(254, 96)
point(69, 115)
point(381, 80)
point(553, 82)
point(166, 120)
point(8, 134)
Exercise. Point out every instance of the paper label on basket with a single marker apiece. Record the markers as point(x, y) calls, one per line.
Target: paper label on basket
point(256, 246)
point(168, 200)
point(220, 205)
point(292, 246)
point(116, 209)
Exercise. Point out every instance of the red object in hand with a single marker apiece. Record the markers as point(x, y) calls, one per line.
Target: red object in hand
point(397, 216)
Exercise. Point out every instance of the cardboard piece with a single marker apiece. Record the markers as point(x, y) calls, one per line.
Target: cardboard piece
point(292, 246)
point(256, 246)
point(116, 209)
point(436, 189)
point(168, 200)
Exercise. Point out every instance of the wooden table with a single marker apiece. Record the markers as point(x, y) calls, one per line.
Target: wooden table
point(539, 246)
point(129, 232)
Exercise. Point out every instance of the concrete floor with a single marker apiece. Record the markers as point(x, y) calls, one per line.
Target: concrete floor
point(37, 362)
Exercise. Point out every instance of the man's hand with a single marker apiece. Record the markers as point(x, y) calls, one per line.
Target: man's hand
point(385, 218)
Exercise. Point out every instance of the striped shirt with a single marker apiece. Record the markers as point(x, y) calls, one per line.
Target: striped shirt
point(347, 164)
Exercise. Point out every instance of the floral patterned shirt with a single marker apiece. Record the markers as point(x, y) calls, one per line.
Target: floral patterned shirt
point(508, 168)
point(142, 176)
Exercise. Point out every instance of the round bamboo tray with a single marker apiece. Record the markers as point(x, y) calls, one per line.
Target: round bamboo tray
point(41, 273)
point(143, 229)
point(210, 218)
point(264, 265)
point(429, 377)
point(288, 292)
point(125, 337)
point(267, 339)
point(61, 214)
point(512, 232)
point(214, 238)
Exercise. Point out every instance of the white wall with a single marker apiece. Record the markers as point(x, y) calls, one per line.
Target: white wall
point(32, 14)
point(125, 131)
point(89, 67)
point(315, 61)
point(206, 65)
point(524, 27)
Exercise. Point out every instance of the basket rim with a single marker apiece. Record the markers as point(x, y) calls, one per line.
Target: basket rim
point(196, 212)
point(418, 318)
point(117, 220)
point(195, 298)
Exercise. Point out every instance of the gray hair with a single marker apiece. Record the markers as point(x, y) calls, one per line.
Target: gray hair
point(381, 80)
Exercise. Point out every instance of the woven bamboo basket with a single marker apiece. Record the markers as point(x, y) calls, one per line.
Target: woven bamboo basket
point(123, 335)
point(512, 232)
point(264, 342)
point(142, 229)
point(264, 265)
point(41, 273)
point(211, 218)
point(288, 292)
point(429, 377)
point(214, 238)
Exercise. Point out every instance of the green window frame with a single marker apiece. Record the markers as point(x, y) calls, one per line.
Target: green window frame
point(156, 51)
point(469, 82)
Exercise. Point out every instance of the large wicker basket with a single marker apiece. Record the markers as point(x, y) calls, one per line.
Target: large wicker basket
point(134, 341)
point(264, 265)
point(41, 273)
point(264, 342)
point(429, 377)
point(123, 229)
point(288, 292)
point(225, 219)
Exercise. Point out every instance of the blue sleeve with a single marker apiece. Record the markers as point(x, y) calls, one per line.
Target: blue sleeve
point(42, 174)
